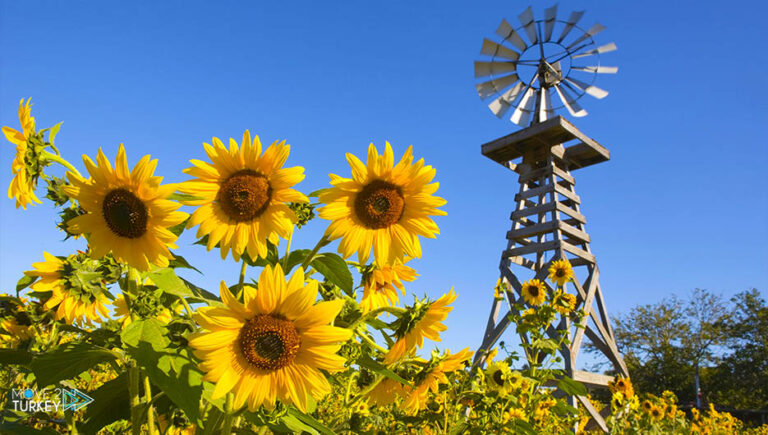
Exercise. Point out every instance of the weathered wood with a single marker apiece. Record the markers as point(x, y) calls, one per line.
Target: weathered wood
point(597, 418)
point(541, 190)
point(533, 230)
point(530, 249)
point(568, 194)
point(542, 208)
point(591, 380)
point(574, 233)
point(578, 252)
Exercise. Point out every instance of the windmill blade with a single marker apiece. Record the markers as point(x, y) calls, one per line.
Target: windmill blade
point(597, 68)
point(594, 30)
point(589, 89)
point(493, 87)
point(484, 69)
point(526, 18)
point(493, 49)
point(569, 102)
point(545, 103)
point(572, 20)
point(550, 15)
point(500, 105)
point(524, 108)
point(508, 33)
point(599, 50)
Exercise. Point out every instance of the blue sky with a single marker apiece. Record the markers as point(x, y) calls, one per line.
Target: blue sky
point(681, 204)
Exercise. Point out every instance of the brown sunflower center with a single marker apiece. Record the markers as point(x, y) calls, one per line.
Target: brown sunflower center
point(125, 214)
point(244, 195)
point(380, 204)
point(560, 273)
point(533, 290)
point(269, 342)
point(498, 378)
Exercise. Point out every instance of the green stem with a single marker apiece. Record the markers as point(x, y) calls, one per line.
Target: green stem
point(60, 160)
point(371, 342)
point(229, 419)
point(186, 306)
point(287, 251)
point(150, 411)
point(349, 387)
point(242, 279)
point(374, 313)
point(133, 389)
point(320, 243)
point(367, 390)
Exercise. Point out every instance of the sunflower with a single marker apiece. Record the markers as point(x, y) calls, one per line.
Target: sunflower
point(499, 377)
point(126, 212)
point(382, 206)
point(647, 405)
point(499, 289)
point(380, 285)
point(23, 185)
point(514, 413)
point(242, 196)
point(656, 413)
point(386, 392)
point(534, 292)
point(560, 271)
point(621, 385)
point(565, 303)
point(75, 303)
point(162, 314)
point(431, 379)
point(273, 345)
point(421, 321)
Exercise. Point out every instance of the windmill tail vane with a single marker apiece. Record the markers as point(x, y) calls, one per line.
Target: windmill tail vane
point(526, 63)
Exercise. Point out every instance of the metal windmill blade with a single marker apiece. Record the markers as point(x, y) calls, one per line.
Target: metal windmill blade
point(524, 69)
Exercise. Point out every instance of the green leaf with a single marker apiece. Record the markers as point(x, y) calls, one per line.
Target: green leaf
point(179, 228)
point(175, 373)
point(53, 131)
point(571, 387)
point(25, 282)
point(317, 192)
point(374, 366)
point(335, 270)
point(178, 196)
point(68, 361)
point(13, 356)
point(110, 403)
point(294, 258)
point(148, 331)
point(182, 262)
point(310, 421)
point(547, 344)
point(459, 428)
point(10, 427)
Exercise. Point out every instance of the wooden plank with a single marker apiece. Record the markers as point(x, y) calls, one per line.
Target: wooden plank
point(563, 174)
point(532, 230)
point(542, 208)
point(591, 380)
point(574, 233)
point(535, 174)
point(515, 145)
point(567, 193)
point(522, 261)
point(578, 252)
point(574, 214)
point(597, 417)
point(582, 155)
point(541, 190)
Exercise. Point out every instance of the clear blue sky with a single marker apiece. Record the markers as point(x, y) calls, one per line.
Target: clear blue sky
point(681, 204)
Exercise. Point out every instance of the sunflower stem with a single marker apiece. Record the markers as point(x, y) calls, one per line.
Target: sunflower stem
point(287, 251)
point(186, 306)
point(367, 390)
point(229, 419)
point(349, 387)
point(375, 313)
point(320, 243)
point(148, 398)
point(60, 160)
point(242, 279)
point(371, 342)
point(133, 389)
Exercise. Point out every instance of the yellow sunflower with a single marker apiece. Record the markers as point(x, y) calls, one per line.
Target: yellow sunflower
point(656, 413)
point(534, 292)
point(380, 285)
point(424, 321)
point(565, 303)
point(560, 271)
point(499, 377)
point(23, 184)
point(383, 206)
point(273, 345)
point(514, 413)
point(622, 385)
point(386, 392)
point(431, 380)
point(127, 212)
point(243, 195)
point(74, 303)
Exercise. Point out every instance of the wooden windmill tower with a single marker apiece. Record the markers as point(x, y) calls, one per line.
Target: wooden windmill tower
point(528, 65)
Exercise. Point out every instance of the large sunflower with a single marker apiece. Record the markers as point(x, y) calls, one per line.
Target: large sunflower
point(127, 212)
point(381, 283)
point(386, 392)
point(560, 271)
point(382, 206)
point(243, 195)
point(431, 379)
point(534, 292)
point(422, 321)
point(273, 345)
point(23, 184)
point(72, 303)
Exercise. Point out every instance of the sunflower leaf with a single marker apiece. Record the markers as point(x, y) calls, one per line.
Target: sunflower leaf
point(571, 387)
point(13, 356)
point(178, 196)
point(335, 269)
point(310, 421)
point(68, 361)
point(110, 403)
point(148, 331)
point(25, 282)
point(374, 366)
point(182, 262)
point(179, 228)
point(294, 258)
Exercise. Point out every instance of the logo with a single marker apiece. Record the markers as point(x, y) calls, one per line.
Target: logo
point(33, 400)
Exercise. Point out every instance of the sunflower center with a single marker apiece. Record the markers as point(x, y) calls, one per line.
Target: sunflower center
point(559, 273)
point(497, 377)
point(125, 214)
point(533, 290)
point(379, 205)
point(269, 342)
point(244, 195)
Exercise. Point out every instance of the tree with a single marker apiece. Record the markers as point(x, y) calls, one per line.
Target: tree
point(665, 343)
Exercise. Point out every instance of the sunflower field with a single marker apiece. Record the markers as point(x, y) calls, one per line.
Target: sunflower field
point(307, 347)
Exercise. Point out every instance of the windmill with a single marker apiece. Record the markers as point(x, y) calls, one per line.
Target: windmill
point(519, 75)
